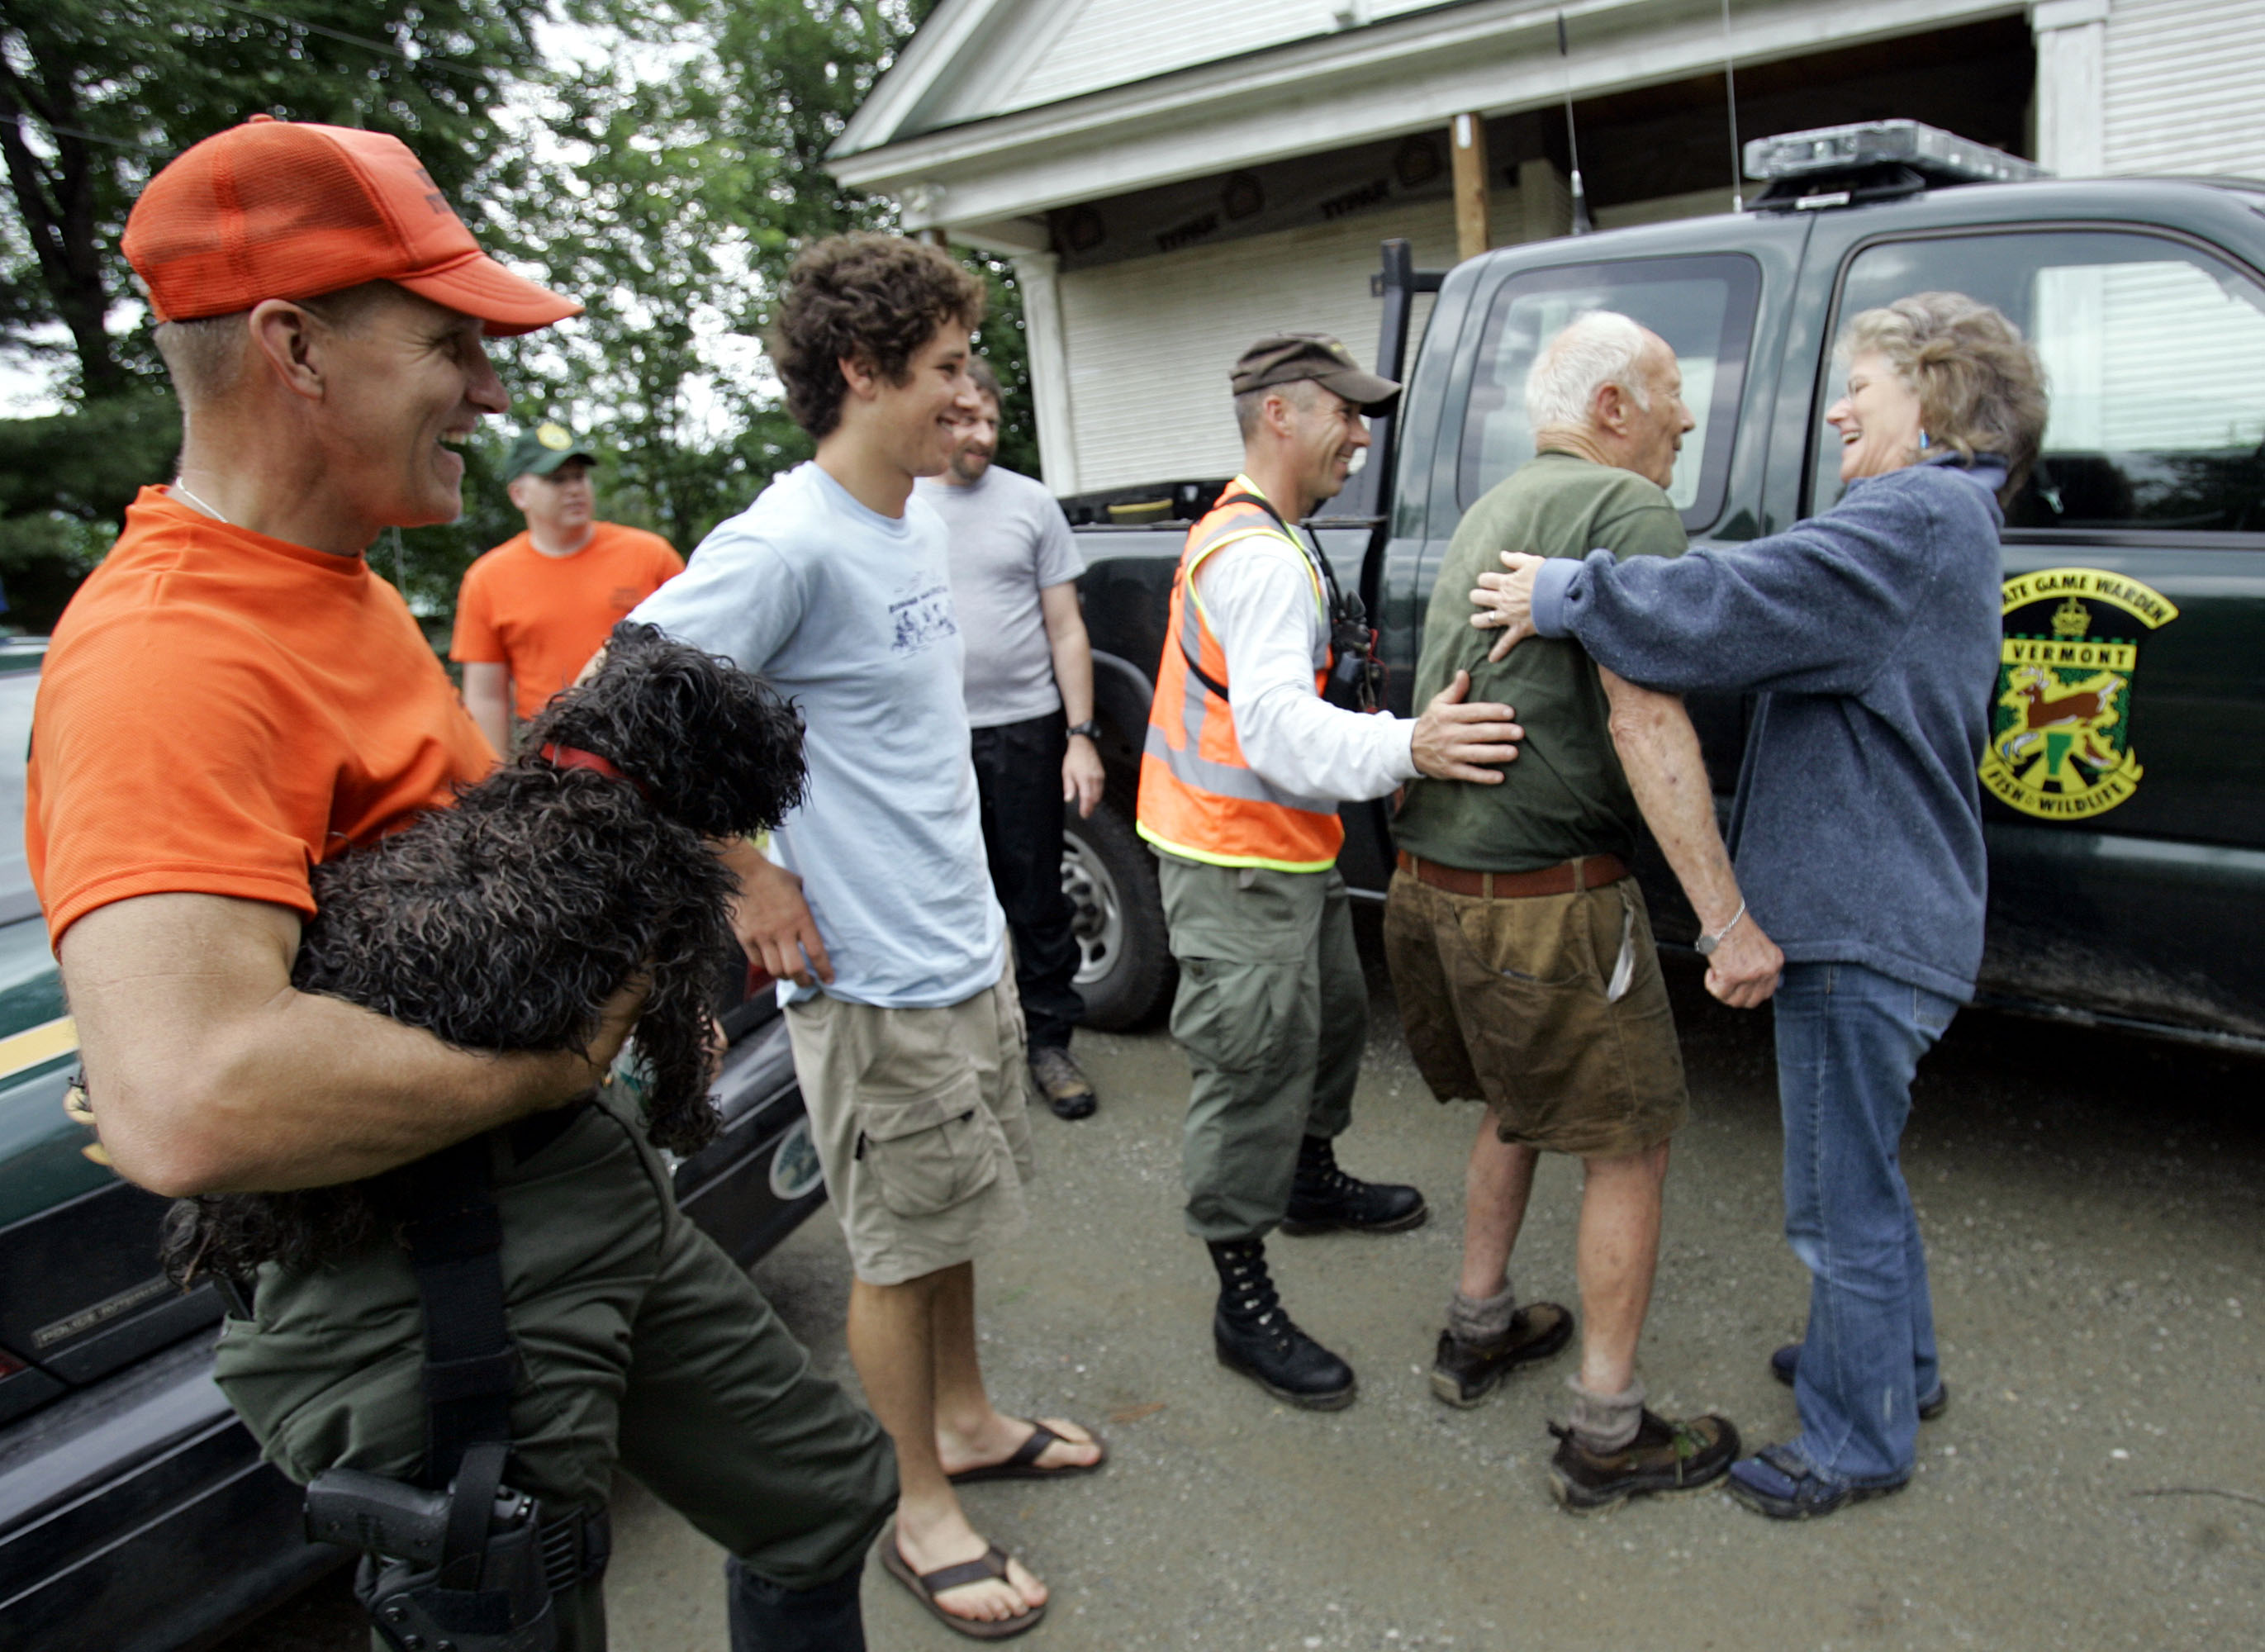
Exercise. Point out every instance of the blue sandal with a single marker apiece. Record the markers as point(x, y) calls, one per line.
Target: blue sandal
point(1778, 1482)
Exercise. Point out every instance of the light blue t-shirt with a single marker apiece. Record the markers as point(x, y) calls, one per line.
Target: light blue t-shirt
point(848, 613)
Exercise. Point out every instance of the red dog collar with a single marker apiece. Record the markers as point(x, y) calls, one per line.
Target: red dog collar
point(575, 757)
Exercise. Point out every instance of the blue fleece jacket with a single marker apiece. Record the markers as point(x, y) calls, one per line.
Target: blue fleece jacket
point(1871, 632)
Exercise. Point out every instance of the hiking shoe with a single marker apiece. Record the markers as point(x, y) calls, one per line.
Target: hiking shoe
point(1778, 1482)
point(1665, 1455)
point(1323, 1197)
point(1254, 1334)
point(1786, 1361)
point(1464, 1374)
point(1055, 1072)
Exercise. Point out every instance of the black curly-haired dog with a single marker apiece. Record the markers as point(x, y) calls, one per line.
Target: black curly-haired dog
point(508, 922)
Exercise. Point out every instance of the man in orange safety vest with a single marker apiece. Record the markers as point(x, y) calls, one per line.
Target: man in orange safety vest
point(1257, 733)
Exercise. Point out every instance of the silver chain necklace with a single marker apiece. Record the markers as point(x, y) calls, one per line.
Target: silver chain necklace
point(182, 488)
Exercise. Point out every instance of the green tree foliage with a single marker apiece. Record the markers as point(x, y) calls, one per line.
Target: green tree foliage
point(1001, 342)
point(659, 215)
point(95, 95)
point(667, 185)
point(64, 483)
point(676, 207)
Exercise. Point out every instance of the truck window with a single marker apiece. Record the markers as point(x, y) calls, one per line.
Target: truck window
point(1703, 307)
point(2155, 352)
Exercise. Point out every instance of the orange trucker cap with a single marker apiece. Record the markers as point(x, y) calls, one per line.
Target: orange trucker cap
point(289, 209)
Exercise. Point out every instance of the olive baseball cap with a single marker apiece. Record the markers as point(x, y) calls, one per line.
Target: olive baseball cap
point(540, 451)
point(1283, 358)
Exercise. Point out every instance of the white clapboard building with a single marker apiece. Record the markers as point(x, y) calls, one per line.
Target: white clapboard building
point(1174, 178)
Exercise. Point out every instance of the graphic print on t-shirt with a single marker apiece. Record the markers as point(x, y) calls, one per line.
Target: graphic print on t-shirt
point(921, 620)
point(848, 613)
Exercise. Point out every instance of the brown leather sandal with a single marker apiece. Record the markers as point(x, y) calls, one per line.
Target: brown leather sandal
point(926, 1586)
point(1023, 1464)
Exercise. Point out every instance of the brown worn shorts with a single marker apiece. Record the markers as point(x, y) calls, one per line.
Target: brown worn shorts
point(1505, 1000)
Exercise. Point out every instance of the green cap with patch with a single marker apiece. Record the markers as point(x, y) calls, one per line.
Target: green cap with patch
point(540, 451)
point(1283, 358)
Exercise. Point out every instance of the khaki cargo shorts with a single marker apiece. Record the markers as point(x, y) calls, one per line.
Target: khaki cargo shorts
point(921, 1124)
point(1511, 1001)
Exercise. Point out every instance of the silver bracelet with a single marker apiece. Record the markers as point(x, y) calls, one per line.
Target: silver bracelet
point(1709, 942)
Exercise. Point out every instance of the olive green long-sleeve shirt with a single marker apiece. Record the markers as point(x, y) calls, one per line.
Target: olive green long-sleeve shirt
point(1566, 795)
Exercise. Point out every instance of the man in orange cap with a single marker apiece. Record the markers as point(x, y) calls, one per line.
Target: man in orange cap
point(322, 311)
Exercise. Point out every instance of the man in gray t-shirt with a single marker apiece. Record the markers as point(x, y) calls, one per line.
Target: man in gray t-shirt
point(1029, 687)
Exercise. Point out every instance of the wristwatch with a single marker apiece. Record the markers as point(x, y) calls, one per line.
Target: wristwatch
point(1707, 943)
point(1091, 729)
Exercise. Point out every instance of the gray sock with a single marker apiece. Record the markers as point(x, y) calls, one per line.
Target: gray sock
point(1475, 1321)
point(1605, 1423)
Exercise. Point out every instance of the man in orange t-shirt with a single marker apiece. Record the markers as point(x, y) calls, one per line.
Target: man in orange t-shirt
point(532, 610)
point(232, 697)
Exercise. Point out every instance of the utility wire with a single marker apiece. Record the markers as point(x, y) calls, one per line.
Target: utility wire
point(1731, 81)
point(80, 131)
point(382, 47)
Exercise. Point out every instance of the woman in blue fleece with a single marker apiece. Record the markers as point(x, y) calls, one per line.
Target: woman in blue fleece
point(1872, 631)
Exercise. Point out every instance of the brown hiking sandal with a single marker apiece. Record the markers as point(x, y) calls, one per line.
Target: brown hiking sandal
point(1066, 1089)
point(1464, 1374)
point(1665, 1455)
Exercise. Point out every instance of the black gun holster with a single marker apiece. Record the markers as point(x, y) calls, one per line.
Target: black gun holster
point(462, 1563)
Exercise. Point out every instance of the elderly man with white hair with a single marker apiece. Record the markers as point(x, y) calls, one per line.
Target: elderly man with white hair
point(1520, 949)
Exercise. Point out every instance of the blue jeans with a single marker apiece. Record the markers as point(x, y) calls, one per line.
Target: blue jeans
point(1848, 1040)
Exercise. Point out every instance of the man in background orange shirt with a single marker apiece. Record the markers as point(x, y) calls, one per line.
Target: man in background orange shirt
point(532, 610)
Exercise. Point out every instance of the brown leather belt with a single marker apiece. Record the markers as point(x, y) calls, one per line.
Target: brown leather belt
point(1590, 871)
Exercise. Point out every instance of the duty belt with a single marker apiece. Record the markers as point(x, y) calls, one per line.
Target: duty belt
point(1589, 872)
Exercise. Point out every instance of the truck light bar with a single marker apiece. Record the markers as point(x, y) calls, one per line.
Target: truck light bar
point(1938, 156)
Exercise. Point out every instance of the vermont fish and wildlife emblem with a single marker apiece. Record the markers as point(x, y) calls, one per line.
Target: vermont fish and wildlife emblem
point(2060, 729)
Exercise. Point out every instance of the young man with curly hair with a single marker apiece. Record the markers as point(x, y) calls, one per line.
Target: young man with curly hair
point(879, 915)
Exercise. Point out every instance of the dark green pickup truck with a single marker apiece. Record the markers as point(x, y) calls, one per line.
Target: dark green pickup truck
point(2125, 782)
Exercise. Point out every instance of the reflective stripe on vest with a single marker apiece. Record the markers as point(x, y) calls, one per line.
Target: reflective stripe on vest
point(1199, 798)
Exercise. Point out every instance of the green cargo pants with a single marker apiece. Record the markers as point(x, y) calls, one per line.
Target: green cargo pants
point(641, 1344)
point(1272, 1012)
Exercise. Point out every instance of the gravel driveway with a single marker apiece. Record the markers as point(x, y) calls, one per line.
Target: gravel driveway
point(2092, 1206)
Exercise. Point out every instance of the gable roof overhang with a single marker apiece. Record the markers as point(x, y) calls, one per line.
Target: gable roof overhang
point(1411, 73)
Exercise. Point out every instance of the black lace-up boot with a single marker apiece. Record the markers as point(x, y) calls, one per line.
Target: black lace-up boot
point(1323, 1197)
point(1257, 1336)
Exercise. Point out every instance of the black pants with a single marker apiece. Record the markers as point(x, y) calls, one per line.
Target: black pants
point(1018, 777)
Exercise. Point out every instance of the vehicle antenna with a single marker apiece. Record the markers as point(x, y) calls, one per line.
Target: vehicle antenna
point(1582, 222)
point(1730, 86)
